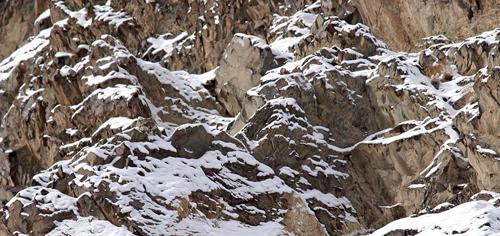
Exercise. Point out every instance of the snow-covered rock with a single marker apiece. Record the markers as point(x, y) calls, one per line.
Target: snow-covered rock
point(244, 117)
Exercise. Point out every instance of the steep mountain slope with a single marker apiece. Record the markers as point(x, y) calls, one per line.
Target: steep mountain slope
point(247, 117)
point(403, 23)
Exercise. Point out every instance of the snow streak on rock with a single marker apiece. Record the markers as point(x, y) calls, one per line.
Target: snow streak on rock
point(303, 123)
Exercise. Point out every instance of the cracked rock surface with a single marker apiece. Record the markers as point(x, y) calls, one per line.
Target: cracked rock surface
point(209, 117)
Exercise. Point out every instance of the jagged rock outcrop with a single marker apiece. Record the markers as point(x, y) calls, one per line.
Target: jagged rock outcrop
point(196, 41)
point(299, 120)
point(242, 65)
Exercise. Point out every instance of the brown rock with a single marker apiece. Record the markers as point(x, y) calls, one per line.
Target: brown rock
point(402, 24)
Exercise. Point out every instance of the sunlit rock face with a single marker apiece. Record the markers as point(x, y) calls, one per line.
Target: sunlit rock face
point(402, 24)
point(214, 117)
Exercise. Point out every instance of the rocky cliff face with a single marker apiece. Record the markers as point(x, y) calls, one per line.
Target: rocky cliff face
point(249, 117)
point(402, 24)
point(17, 22)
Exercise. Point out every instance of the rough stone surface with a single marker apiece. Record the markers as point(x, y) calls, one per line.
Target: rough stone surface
point(249, 117)
point(401, 24)
point(242, 65)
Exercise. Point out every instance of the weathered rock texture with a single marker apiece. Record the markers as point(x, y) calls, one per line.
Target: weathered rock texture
point(17, 23)
point(250, 117)
point(401, 24)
